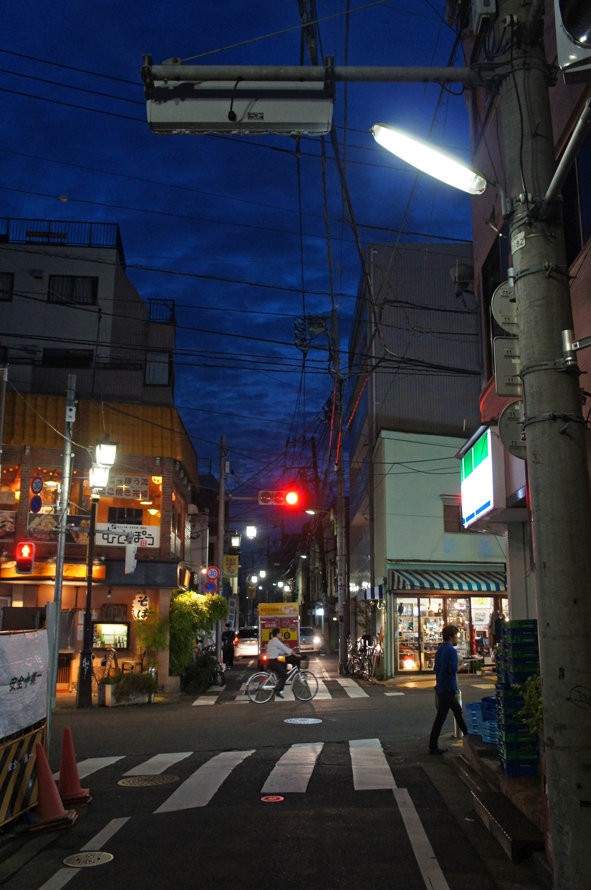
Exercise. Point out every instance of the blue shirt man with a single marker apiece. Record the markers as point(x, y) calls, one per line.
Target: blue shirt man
point(446, 687)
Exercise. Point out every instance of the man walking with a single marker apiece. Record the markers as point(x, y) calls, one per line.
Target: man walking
point(446, 687)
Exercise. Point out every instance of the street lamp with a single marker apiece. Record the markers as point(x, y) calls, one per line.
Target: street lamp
point(429, 160)
point(98, 478)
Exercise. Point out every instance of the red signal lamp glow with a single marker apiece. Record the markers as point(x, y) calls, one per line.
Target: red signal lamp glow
point(24, 557)
point(292, 497)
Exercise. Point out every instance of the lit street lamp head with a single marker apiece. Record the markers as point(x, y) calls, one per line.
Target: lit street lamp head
point(429, 160)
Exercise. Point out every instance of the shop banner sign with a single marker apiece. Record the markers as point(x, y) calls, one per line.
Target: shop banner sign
point(24, 668)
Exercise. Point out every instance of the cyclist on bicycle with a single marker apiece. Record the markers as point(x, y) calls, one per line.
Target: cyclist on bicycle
point(275, 650)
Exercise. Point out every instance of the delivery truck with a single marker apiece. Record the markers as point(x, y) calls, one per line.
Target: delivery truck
point(285, 616)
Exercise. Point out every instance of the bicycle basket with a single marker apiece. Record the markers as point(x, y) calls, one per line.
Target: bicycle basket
point(304, 663)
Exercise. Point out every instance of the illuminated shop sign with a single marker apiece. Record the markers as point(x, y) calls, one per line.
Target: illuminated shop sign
point(482, 478)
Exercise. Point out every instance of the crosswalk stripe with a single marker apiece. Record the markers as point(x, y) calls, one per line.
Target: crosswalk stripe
point(205, 700)
point(351, 688)
point(92, 765)
point(199, 788)
point(370, 767)
point(426, 860)
point(157, 764)
point(293, 770)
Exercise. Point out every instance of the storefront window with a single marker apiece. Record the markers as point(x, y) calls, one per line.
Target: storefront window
point(407, 639)
point(419, 622)
point(431, 623)
point(457, 612)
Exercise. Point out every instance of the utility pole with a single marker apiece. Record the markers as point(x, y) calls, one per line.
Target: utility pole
point(62, 513)
point(555, 435)
point(219, 544)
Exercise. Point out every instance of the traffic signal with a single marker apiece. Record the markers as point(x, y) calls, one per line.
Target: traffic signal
point(291, 497)
point(573, 39)
point(25, 558)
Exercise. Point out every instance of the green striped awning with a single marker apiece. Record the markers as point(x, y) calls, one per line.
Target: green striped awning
point(442, 579)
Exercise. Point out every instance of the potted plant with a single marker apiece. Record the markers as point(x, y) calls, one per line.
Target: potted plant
point(135, 685)
point(105, 690)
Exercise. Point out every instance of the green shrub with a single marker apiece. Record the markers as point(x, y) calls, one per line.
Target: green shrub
point(191, 614)
point(134, 683)
point(198, 675)
point(532, 712)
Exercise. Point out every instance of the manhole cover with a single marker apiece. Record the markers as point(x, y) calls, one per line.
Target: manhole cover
point(302, 720)
point(88, 859)
point(143, 781)
point(272, 798)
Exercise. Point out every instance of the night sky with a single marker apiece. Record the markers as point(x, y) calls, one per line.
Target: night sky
point(232, 228)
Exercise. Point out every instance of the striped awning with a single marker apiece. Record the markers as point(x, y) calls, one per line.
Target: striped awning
point(374, 593)
point(442, 579)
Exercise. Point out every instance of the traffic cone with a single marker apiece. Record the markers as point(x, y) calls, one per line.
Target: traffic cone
point(69, 782)
point(50, 809)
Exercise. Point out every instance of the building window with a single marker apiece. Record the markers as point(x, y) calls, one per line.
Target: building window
point(161, 311)
point(125, 516)
point(67, 358)
point(452, 513)
point(157, 369)
point(576, 194)
point(6, 286)
point(79, 289)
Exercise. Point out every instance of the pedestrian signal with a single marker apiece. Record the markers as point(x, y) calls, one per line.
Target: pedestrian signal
point(25, 558)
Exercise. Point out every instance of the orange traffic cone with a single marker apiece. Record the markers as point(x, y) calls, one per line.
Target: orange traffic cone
point(50, 809)
point(69, 782)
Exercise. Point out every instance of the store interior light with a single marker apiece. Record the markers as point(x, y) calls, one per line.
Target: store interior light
point(429, 160)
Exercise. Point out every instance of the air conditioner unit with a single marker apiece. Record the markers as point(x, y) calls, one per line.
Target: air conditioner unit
point(573, 39)
point(482, 11)
point(283, 107)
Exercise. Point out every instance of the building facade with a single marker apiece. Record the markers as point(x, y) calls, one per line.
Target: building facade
point(72, 318)
point(415, 356)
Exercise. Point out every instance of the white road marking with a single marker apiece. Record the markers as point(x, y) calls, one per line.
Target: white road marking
point(352, 689)
point(200, 787)
point(65, 875)
point(430, 869)
point(157, 764)
point(370, 767)
point(92, 765)
point(293, 770)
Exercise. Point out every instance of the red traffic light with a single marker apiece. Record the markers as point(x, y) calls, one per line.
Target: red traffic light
point(291, 497)
point(25, 557)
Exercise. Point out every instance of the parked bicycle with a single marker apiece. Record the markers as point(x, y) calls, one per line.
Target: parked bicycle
point(216, 668)
point(363, 658)
point(261, 686)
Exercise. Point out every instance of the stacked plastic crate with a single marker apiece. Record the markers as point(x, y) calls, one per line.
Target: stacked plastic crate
point(481, 719)
point(517, 660)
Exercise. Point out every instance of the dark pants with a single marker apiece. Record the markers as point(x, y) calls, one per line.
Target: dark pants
point(446, 702)
point(279, 668)
point(228, 653)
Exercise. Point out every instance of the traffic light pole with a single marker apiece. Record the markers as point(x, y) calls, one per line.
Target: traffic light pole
point(555, 434)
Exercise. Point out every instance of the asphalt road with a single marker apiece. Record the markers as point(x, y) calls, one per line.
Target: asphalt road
point(219, 792)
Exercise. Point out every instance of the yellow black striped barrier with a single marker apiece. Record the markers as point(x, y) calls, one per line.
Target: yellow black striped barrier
point(18, 777)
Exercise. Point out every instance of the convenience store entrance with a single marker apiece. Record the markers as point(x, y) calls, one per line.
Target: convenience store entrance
point(419, 620)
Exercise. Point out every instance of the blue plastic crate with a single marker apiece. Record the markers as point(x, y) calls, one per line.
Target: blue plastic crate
point(515, 769)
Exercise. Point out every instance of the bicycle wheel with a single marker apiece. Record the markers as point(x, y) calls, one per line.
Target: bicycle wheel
point(305, 685)
point(260, 687)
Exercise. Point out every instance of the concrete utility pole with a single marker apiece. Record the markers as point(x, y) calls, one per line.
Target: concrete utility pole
point(219, 544)
point(555, 440)
point(53, 626)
